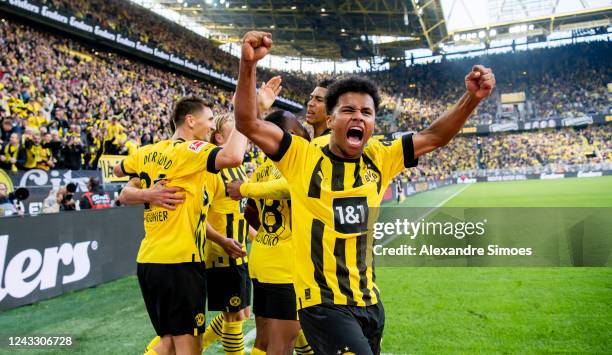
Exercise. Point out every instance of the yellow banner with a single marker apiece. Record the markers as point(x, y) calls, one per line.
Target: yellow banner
point(106, 165)
point(513, 97)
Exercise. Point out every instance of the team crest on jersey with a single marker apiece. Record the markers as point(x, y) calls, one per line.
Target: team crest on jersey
point(199, 318)
point(196, 146)
point(371, 175)
point(235, 301)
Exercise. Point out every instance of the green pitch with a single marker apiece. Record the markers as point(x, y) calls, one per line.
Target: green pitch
point(429, 310)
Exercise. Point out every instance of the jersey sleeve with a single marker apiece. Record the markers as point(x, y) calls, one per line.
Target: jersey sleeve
point(291, 156)
point(129, 165)
point(395, 156)
point(197, 156)
point(277, 189)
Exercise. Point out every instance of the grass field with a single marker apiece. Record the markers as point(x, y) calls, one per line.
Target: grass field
point(429, 310)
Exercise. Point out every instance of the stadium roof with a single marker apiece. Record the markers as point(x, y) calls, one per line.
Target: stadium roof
point(345, 29)
point(384, 30)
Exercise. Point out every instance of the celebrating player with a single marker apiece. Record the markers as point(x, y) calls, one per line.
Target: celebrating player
point(332, 190)
point(170, 271)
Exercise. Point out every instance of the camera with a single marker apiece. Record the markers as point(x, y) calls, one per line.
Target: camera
point(21, 194)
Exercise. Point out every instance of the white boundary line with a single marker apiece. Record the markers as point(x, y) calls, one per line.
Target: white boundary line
point(428, 212)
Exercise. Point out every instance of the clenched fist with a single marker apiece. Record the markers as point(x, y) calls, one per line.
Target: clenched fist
point(480, 81)
point(256, 45)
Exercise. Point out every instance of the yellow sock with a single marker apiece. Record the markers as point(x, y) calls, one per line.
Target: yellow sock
point(152, 344)
point(151, 352)
point(256, 351)
point(232, 339)
point(301, 345)
point(213, 331)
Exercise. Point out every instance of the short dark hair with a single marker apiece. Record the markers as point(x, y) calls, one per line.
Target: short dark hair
point(278, 118)
point(187, 106)
point(352, 84)
point(325, 83)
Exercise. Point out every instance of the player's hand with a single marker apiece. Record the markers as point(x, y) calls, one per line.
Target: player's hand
point(233, 248)
point(164, 196)
point(480, 81)
point(268, 92)
point(255, 45)
point(233, 190)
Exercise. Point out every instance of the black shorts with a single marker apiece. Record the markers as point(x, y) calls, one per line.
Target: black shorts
point(228, 288)
point(175, 297)
point(337, 329)
point(276, 301)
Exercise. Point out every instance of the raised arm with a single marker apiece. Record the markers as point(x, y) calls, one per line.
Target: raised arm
point(479, 84)
point(267, 136)
point(231, 154)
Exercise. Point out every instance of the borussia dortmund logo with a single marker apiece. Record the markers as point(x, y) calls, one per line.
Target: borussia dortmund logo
point(199, 318)
point(235, 301)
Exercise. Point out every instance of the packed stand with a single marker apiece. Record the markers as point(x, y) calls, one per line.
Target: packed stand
point(146, 26)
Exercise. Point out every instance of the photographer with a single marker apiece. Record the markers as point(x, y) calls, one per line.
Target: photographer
point(7, 203)
point(71, 152)
point(65, 197)
point(95, 198)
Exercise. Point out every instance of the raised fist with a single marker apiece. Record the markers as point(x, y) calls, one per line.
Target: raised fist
point(480, 81)
point(256, 45)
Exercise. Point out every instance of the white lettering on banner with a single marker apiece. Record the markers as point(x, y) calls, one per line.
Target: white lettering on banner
point(41, 178)
point(81, 25)
point(25, 5)
point(203, 70)
point(190, 65)
point(125, 41)
point(143, 48)
point(502, 127)
point(177, 60)
point(507, 178)
point(104, 33)
point(582, 174)
point(577, 121)
point(161, 54)
point(551, 176)
point(54, 15)
point(27, 263)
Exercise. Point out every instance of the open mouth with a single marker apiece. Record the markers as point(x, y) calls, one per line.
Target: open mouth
point(354, 135)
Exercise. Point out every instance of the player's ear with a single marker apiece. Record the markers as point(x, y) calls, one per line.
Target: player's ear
point(189, 120)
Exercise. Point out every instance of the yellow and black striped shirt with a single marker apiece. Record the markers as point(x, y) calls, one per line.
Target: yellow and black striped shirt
point(226, 217)
point(272, 256)
point(331, 198)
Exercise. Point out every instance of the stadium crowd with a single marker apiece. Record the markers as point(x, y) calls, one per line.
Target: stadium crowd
point(141, 24)
point(63, 104)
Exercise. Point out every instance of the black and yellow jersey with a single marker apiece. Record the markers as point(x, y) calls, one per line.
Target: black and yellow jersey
point(331, 198)
point(208, 190)
point(226, 216)
point(323, 139)
point(170, 235)
point(272, 257)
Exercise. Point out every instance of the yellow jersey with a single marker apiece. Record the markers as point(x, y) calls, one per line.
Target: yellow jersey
point(272, 258)
point(170, 235)
point(331, 198)
point(226, 217)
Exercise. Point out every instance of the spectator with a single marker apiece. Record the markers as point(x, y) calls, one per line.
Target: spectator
point(7, 206)
point(10, 154)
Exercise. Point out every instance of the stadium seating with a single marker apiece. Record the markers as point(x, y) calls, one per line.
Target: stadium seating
point(47, 88)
